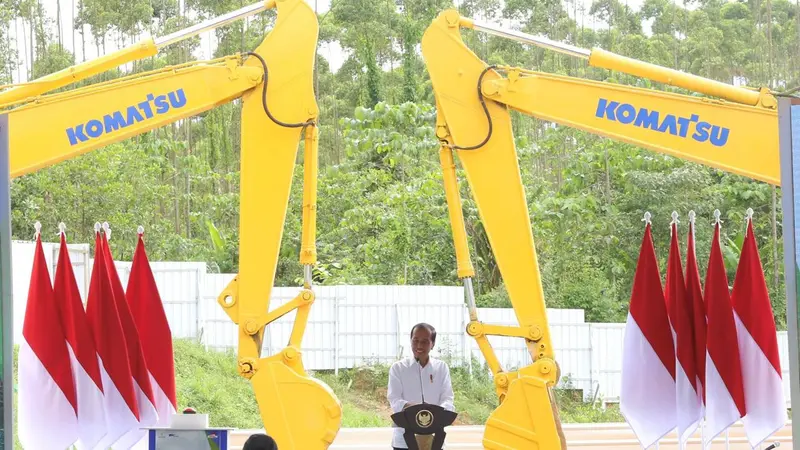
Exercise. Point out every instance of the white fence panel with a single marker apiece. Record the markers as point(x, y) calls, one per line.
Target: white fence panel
point(367, 333)
point(217, 331)
point(450, 321)
point(348, 325)
point(390, 295)
point(22, 264)
point(573, 349)
point(607, 339)
point(317, 344)
point(571, 340)
point(354, 325)
point(179, 286)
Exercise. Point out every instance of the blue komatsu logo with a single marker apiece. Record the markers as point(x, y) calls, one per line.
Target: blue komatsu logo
point(152, 106)
point(628, 114)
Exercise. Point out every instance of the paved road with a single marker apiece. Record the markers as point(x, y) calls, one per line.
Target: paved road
point(579, 437)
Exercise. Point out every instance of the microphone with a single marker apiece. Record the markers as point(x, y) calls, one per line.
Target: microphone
point(421, 386)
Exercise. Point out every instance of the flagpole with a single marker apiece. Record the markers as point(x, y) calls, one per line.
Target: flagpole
point(107, 229)
point(672, 233)
point(702, 433)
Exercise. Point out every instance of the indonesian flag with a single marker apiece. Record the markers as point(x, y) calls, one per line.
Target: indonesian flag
point(680, 314)
point(151, 321)
point(148, 416)
point(82, 352)
point(758, 346)
point(725, 402)
point(694, 297)
point(121, 409)
point(47, 408)
point(647, 397)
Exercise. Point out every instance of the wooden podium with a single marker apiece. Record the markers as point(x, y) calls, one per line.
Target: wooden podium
point(424, 420)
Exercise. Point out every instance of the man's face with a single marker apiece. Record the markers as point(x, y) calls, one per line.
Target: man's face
point(421, 343)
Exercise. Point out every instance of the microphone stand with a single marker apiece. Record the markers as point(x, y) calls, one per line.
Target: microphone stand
point(421, 387)
point(424, 442)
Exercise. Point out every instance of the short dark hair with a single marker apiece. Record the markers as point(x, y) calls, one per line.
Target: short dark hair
point(260, 441)
point(427, 327)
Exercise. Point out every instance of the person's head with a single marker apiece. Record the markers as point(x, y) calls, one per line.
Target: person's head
point(423, 338)
point(260, 441)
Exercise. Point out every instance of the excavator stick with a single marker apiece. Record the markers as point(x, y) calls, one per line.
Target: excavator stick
point(298, 411)
point(275, 83)
point(526, 417)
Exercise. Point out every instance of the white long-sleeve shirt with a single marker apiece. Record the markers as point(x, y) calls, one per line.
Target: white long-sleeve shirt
point(409, 381)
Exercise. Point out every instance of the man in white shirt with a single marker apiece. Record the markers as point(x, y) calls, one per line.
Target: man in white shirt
point(419, 379)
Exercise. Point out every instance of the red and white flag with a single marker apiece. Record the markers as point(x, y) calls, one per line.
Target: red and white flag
point(694, 297)
point(148, 416)
point(82, 352)
point(758, 346)
point(680, 314)
point(47, 403)
point(725, 401)
point(151, 321)
point(647, 396)
point(121, 409)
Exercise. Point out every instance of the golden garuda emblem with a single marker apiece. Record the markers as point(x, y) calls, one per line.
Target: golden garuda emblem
point(424, 418)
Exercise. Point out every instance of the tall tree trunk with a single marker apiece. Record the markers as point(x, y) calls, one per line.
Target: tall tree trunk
point(25, 48)
point(58, 23)
point(74, 49)
point(771, 81)
point(32, 21)
point(188, 180)
point(775, 276)
point(83, 35)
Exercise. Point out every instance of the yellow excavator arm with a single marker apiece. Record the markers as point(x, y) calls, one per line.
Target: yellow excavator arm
point(734, 129)
point(275, 84)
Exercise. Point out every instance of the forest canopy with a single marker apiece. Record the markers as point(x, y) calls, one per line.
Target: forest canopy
point(382, 216)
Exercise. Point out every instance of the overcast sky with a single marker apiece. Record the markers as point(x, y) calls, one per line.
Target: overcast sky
point(333, 53)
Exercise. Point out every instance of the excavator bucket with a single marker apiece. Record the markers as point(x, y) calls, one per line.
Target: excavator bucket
point(527, 418)
point(298, 411)
point(279, 390)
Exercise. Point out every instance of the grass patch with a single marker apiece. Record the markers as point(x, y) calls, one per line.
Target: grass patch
point(208, 381)
point(362, 392)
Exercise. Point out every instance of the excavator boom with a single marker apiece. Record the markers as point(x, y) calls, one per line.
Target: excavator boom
point(733, 129)
point(275, 85)
point(113, 111)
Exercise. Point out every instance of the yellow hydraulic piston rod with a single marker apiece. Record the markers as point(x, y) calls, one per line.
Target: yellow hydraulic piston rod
point(142, 49)
point(604, 59)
